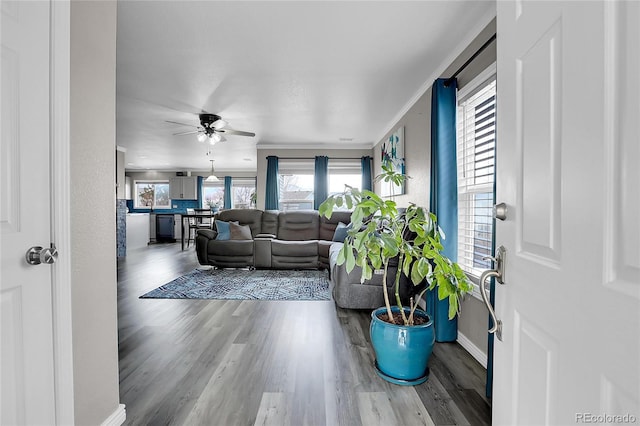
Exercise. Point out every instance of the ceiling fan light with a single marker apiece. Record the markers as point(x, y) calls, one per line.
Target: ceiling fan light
point(215, 137)
point(201, 137)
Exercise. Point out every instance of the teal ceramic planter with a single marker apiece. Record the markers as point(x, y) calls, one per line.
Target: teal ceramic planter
point(402, 352)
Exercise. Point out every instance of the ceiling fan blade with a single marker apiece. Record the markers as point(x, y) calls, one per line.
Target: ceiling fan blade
point(236, 132)
point(219, 124)
point(181, 124)
point(190, 132)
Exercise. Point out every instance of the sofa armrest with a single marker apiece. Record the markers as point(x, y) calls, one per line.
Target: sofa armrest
point(208, 233)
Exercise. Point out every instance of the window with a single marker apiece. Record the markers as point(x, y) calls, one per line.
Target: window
point(344, 172)
point(296, 184)
point(152, 194)
point(476, 135)
point(213, 194)
point(243, 193)
point(297, 180)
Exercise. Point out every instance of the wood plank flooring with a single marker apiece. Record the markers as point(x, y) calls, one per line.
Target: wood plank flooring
point(199, 362)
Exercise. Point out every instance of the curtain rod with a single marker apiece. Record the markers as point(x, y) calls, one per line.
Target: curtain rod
point(475, 55)
point(313, 158)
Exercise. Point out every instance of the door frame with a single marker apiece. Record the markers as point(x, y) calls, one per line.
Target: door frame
point(60, 190)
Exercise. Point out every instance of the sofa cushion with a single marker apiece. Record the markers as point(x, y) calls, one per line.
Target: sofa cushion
point(300, 225)
point(230, 248)
point(270, 222)
point(251, 217)
point(341, 232)
point(294, 248)
point(223, 229)
point(328, 226)
point(239, 232)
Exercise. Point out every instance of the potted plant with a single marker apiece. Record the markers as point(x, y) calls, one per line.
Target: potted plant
point(381, 231)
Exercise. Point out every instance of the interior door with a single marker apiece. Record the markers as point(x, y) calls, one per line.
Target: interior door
point(568, 163)
point(26, 349)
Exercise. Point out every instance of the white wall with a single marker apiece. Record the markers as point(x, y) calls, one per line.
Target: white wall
point(93, 197)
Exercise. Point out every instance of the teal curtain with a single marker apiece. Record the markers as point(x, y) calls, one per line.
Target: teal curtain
point(444, 194)
point(228, 199)
point(271, 190)
point(320, 181)
point(367, 179)
point(199, 181)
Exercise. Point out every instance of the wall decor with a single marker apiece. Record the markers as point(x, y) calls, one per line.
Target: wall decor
point(393, 153)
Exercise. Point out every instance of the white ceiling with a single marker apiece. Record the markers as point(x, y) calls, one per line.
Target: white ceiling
point(298, 74)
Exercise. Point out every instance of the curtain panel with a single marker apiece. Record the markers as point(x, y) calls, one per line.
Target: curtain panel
point(320, 181)
point(367, 179)
point(228, 196)
point(444, 194)
point(271, 190)
point(199, 180)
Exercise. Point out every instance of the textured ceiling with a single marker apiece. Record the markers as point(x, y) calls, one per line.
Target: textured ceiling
point(298, 74)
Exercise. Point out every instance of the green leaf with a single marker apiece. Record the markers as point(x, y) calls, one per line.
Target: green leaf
point(453, 306)
point(351, 260)
point(416, 276)
point(406, 265)
point(349, 201)
point(342, 255)
point(339, 202)
point(367, 273)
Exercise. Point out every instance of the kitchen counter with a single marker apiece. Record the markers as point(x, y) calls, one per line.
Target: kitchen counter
point(137, 230)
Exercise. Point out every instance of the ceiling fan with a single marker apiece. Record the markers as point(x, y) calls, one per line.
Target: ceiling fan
point(212, 127)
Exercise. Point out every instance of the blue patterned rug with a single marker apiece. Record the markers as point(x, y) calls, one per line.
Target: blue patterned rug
point(242, 284)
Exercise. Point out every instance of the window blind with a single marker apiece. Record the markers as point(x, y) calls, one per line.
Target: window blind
point(476, 128)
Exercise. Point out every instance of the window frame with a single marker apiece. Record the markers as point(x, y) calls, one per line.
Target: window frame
point(476, 85)
point(205, 184)
point(242, 183)
point(154, 182)
point(297, 167)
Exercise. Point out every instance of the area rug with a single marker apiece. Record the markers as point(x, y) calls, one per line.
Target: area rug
point(242, 284)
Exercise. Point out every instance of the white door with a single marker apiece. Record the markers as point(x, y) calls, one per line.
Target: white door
point(27, 362)
point(568, 162)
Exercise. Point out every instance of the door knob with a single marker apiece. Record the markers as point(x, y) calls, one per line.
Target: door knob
point(37, 255)
point(500, 211)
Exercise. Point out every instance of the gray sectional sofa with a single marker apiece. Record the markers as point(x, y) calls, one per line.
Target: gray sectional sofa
point(294, 240)
point(281, 240)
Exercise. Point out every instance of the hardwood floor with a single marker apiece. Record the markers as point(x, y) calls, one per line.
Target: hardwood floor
point(200, 362)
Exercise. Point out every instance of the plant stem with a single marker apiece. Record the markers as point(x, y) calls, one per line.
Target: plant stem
point(386, 293)
point(414, 307)
point(397, 288)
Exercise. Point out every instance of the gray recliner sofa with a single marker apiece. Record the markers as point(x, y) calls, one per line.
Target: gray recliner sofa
point(348, 292)
point(280, 240)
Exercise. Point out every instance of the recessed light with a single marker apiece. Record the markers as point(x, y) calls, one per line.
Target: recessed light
point(346, 139)
point(247, 159)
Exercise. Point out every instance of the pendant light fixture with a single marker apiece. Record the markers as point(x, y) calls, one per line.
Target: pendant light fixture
point(212, 177)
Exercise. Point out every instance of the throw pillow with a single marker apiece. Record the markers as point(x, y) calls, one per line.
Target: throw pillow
point(341, 232)
point(224, 232)
point(240, 232)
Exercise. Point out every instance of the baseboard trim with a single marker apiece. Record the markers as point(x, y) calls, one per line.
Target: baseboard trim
point(475, 352)
point(117, 417)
